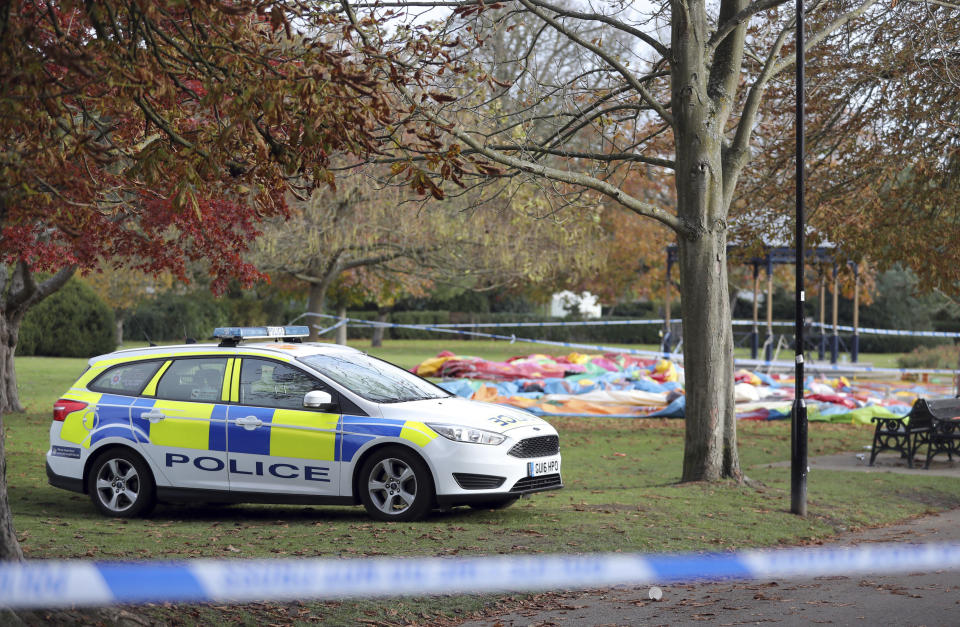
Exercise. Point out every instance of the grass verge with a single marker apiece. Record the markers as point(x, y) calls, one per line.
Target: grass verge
point(621, 495)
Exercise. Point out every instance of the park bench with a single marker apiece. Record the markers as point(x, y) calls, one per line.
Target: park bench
point(931, 423)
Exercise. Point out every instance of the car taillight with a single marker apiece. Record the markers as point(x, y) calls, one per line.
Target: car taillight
point(64, 407)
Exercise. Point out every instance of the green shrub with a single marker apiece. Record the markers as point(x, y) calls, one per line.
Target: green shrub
point(944, 357)
point(418, 317)
point(72, 322)
point(354, 331)
point(174, 317)
point(639, 309)
point(601, 334)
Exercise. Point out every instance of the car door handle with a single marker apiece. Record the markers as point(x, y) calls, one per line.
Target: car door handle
point(154, 416)
point(249, 422)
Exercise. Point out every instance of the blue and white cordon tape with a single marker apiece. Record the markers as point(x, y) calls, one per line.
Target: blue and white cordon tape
point(678, 357)
point(645, 321)
point(509, 338)
point(49, 584)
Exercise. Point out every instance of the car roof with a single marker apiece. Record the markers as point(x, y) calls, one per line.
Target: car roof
point(266, 349)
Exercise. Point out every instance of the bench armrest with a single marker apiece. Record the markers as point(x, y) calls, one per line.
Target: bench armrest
point(888, 423)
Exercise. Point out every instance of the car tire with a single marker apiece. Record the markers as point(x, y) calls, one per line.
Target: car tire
point(121, 485)
point(500, 504)
point(395, 484)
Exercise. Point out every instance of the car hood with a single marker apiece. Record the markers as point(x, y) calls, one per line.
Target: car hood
point(465, 412)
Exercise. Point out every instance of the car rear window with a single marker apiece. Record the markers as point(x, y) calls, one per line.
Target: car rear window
point(193, 380)
point(127, 379)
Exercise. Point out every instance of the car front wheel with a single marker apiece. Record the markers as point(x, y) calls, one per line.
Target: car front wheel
point(120, 485)
point(396, 485)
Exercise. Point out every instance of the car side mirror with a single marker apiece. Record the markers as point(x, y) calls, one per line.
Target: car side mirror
point(318, 399)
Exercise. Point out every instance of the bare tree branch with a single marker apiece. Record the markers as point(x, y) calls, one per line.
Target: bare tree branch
point(735, 156)
point(607, 58)
point(743, 16)
point(725, 69)
point(663, 50)
point(593, 156)
point(816, 38)
point(565, 176)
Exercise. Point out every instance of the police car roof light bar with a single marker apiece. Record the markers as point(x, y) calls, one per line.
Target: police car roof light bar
point(231, 336)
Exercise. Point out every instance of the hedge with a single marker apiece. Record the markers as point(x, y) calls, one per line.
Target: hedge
point(71, 322)
point(612, 334)
point(174, 317)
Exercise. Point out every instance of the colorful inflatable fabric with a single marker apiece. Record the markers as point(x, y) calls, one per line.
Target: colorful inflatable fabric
point(617, 385)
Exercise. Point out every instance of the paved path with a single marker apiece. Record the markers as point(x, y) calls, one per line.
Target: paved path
point(886, 461)
point(929, 599)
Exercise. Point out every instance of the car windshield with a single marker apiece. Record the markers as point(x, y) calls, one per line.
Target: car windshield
point(374, 379)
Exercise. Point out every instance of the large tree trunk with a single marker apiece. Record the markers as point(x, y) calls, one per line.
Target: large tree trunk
point(315, 303)
point(9, 546)
point(382, 314)
point(710, 448)
point(18, 292)
point(9, 396)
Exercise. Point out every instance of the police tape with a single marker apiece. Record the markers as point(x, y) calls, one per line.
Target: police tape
point(553, 323)
point(510, 338)
point(640, 322)
point(893, 332)
point(323, 331)
point(839, 368)
point(50, 584)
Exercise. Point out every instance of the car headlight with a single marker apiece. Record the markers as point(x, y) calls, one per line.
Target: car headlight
point(467, 434)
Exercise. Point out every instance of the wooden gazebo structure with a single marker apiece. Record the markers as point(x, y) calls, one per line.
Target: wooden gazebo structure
point(775, 255)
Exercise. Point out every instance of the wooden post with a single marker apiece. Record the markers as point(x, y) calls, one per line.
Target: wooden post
point(835, 339)
point(823, 310)
point(755, 333)
point(342, 331)
point(956, 380)
point(667, 308)
point(855, 343)
point(665, 345)
point(769, 352)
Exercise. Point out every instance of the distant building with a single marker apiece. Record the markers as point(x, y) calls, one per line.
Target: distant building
point(567, 303)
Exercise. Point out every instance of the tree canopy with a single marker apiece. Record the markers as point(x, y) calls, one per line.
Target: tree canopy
point(156, 133)
point(151, 134)
point(883, 145)
point(367, 240)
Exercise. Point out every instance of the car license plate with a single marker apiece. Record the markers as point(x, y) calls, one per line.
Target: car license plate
point(549, 466)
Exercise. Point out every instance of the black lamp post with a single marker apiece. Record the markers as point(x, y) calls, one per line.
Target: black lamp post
point(798, 426)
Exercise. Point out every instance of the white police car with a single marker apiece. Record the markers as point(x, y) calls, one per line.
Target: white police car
point(287, 422)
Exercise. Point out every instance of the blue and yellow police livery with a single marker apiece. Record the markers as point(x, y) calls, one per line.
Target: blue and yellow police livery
point(287, 422)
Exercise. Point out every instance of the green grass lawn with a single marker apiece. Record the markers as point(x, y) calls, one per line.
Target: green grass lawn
point(622, 494)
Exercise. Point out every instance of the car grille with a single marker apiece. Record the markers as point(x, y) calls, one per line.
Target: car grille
point(469, 481)
point(540, 446)
point(537, 483)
